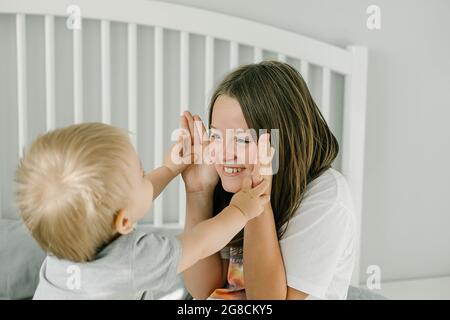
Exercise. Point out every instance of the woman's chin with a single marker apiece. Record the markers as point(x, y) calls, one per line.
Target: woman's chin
point(231, 186)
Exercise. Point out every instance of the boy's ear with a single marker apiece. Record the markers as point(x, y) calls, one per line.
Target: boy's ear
point(122, 222)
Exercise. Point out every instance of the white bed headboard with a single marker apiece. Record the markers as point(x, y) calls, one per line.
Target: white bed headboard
point(82, 84)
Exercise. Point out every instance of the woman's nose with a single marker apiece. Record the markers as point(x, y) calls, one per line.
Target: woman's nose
point(229, 152)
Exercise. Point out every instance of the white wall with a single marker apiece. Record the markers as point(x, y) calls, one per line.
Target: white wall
point(407, 186)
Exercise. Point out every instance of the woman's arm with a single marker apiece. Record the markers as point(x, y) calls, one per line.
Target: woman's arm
point(264, 273)
point(211, 235)
point(200, 179)
point(265, 278)
point(206, 275)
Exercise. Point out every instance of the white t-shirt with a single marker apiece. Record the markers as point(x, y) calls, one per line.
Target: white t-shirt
point(318, 245)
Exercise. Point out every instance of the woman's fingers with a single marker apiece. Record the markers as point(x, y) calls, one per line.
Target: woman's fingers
point(187, 154)
point(190, 122)
point(263, 164)
point(176, 152)
point(184, 125)
point(200, 126)
point(260, 188)
point(256, 176)
point(198, 130)
point(265, 155)
point(265, 198)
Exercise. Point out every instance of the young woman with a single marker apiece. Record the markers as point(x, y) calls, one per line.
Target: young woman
point(301, 246)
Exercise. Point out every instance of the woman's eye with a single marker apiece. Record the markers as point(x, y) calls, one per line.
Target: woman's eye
point(243, 140)
point(214, 136)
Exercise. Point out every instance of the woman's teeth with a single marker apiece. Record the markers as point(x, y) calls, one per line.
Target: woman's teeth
point(231, 170)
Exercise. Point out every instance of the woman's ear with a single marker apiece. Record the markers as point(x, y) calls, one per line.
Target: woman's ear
point(122, 222)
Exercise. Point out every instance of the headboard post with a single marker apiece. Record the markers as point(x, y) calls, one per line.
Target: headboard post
point(354, 128)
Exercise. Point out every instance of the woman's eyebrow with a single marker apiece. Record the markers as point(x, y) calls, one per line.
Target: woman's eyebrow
point(214, 128)
point(237, 130)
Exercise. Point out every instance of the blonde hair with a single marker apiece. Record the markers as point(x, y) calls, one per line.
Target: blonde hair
point(70, 184)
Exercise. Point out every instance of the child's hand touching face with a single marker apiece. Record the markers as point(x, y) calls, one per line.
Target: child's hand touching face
point(180, 155)
point(250, 201)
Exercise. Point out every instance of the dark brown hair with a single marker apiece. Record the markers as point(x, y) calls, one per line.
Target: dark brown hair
point(273, 95)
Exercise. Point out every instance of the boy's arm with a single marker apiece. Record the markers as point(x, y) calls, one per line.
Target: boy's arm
point(160, 178)
point(199, 207)
point(213, 234)
point(210, 236)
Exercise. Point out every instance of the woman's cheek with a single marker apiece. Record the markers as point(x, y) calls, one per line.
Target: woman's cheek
point(249, 169)
point(247, 154)
point(215, 152)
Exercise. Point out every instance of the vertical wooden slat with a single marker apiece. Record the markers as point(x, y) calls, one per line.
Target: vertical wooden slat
point(325, 103)
point(50, 71)
point(106, 70)
point(184, 103)
point(184, 71)
point(78, 75)
point(158, 117)
point(132, 85)
point(281, 57)
point(209, 67)
point(21, 81)
point(257, 55)
point(234, 54)
point(304, 70)
point(353, 137)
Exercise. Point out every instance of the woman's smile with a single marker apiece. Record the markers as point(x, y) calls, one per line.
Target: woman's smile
point(232, 171)
point(232, 175)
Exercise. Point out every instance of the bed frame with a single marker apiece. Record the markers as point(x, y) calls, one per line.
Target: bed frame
point(350, 62)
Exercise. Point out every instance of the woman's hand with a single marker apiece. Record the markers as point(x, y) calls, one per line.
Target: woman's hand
point(262, 170)
point(179, 156)
point(200, 176)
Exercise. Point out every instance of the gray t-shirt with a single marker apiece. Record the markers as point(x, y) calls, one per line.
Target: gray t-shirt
point(133, 266)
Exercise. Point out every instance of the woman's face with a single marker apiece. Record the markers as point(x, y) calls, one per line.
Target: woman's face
point(232, 142)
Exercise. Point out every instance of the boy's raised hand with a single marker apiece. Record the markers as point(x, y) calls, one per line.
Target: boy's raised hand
point(180, 155)
point(250, 201)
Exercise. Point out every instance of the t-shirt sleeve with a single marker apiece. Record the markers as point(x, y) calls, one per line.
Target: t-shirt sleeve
point(314, 241)
point(155, 261)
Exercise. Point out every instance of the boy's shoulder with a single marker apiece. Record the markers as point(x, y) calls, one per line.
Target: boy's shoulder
point(123, 269)
point(142, 243)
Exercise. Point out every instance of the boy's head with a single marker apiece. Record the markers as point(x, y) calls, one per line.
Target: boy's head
point(80, 186)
